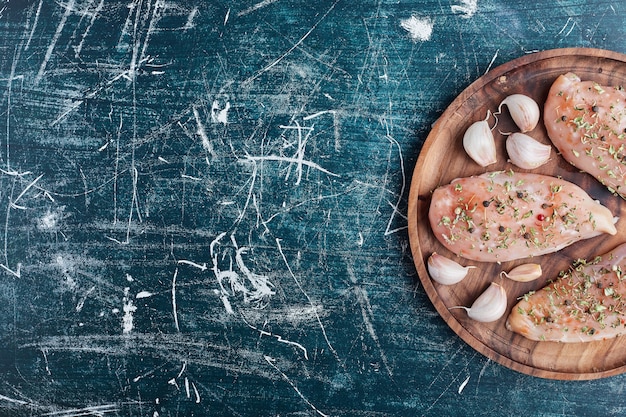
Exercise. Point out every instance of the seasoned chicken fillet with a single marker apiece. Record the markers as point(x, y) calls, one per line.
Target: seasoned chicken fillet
point(587, 124)
point(501, 216)
point(586, 303)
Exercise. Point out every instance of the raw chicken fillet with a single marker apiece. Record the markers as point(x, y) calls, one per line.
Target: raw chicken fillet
point(587, 303)
point(587, 124)
point(504, 215)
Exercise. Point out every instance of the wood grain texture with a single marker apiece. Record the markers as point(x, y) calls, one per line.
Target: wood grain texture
point(531, 75)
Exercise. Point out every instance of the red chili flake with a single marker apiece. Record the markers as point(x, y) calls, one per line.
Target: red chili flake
point(541, 217)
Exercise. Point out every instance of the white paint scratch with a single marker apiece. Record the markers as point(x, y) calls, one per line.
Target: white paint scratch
point(174, 307)
point(335, 115)
point(143, 294)
point(271, 361)
point(300, 151)
point(53, 42)
point(14, 173)
point(182, 370)
point(463, 384)
point(196, 393)
point(419, 28)
point(44, 353)
point(16, 273)
point(201, 131)
point(97, 410)
point(94, 16)
point(81, 302)
point(298, 161)
point(367, 314)
point(12, 400)
point(318, 114)
point(159, 6)
point(467, 8)
point(227, 306)
point(12, 77)
point(256, 7)
point(492, 61)
point(187, 384)
point(219, 114)
point(571, 27)
point(32, 29)
point(452, 359)
point(129, 308)
point(201, 267)
point(256, 289)
point(149, 373)
point(318, 198)
point(221, 275)
point(190, 18)
point(290, 50)
point(261, 286)
point(76, 103)
point(396, 211)
point(13, 203)
point(278, 337)
point(319, 320)
point(482, 372)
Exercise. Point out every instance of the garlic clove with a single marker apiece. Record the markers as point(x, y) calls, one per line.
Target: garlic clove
point(524, 273)
point(445, 271)
point(523, 110)
point(527, 152)
point(489, 306)
point(479, 143)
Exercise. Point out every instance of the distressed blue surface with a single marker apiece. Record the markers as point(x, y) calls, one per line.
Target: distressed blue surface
point(204, 205)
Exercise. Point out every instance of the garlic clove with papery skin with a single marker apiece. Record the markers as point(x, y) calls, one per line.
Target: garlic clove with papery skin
point(526, 152)
point(479, 143)
point(523, 110)
point(524, 273)
point(489, 306)
point(446, 271)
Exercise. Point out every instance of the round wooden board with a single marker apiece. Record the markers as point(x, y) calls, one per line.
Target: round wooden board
point(443, 159)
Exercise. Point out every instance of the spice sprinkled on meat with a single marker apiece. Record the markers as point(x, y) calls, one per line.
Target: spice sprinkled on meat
point(587, 124)
point(585, 303)
point(504, 215)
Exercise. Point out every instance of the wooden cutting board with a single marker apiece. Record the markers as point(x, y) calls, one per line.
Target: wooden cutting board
point(443, 158)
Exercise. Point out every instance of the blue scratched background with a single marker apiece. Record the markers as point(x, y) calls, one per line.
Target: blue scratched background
point(203, 206)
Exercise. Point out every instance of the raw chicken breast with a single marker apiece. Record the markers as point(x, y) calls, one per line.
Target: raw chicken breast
point(587, 124)
point(502, 216)
point(587, 303)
